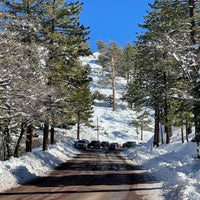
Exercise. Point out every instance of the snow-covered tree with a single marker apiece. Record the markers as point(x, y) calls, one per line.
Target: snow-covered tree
point(167, 59)
point(22, 75)
point(65, 39)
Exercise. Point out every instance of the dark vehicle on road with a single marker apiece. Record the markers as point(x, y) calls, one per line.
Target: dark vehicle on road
point(95, 144)
point(129, 144)
point(81, 144)
point(113, 146)
point(105, 144)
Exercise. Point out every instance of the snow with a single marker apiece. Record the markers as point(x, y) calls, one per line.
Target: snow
point(17, 171)
point(175, 165)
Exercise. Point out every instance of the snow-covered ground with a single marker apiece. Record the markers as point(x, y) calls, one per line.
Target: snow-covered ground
point(175, 164)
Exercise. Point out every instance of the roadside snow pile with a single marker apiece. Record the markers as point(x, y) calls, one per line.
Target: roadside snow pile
point(17, 171)
point(174, 164)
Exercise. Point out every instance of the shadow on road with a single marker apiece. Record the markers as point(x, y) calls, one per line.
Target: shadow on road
point(86, 171)
point(90, 172)
point(80, 191)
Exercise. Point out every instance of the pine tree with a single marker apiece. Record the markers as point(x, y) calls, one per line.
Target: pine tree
point(21, 72)
point(104, 57)
point(44, 40)
point(111, 59)
point(65, 40)
point(157, 60)
point(130, 54)
point(79, 101)
point(173, 36)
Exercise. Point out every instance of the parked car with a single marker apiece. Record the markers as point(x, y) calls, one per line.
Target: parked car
point(129, 144)
point(95, 144)
point(81, 144)
point(105, 144)
point(113, 146)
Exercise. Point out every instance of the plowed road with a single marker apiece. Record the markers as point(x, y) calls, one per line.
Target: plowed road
point(91, 175)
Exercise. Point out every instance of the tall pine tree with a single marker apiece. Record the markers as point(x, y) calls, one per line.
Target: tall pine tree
point(65, 40)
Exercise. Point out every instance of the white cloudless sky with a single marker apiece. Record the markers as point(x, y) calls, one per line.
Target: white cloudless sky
point(114, 20)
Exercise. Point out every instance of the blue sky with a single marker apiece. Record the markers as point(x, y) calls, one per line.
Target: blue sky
point(113, 20)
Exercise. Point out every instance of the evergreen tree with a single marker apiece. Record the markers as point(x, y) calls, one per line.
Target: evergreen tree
point(79, 101)
point(44, 40)
point(104, 57)
point(111, 59)
point(21, 71)
point(130, 54)
point(157, 63)
point(65, 40)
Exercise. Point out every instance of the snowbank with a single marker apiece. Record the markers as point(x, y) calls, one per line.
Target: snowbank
point(174, 164)
point(17, 171)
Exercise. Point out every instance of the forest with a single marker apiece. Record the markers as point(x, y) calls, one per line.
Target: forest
point(43, 83)
point(162, 67)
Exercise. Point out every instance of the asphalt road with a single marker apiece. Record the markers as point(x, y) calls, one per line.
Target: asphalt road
point(91, 175)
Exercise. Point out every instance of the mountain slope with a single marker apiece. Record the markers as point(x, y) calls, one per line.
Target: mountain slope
point(113, 125)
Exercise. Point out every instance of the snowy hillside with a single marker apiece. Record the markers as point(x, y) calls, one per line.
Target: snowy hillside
point(175, 164)
point(113, 125)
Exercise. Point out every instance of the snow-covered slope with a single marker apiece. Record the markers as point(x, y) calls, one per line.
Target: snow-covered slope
point(113, 125)
point(174, 164)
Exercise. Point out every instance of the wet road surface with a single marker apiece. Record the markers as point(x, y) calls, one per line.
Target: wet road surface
point(91, 175)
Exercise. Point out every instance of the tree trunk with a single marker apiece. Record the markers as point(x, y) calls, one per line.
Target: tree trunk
point(187, 130)
point(142, 132)
point(127, 77)
point(7, 142)
point(161, 133)
point(29, 134)
point(113, 83)
point(52, 135)
point(78, 126)
point(78, 131)
point(197, 121)
point(157, 122)
point(16, 152)
point(45, 136)
point(167, 132)
point(182, 134)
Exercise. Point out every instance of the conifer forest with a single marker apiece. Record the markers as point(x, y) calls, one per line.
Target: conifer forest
point(44, 84)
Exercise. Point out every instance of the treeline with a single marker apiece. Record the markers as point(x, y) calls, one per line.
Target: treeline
point(42, 80)
point(162, 67)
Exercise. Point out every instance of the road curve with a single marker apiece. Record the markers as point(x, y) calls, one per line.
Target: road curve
point(91, 175)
